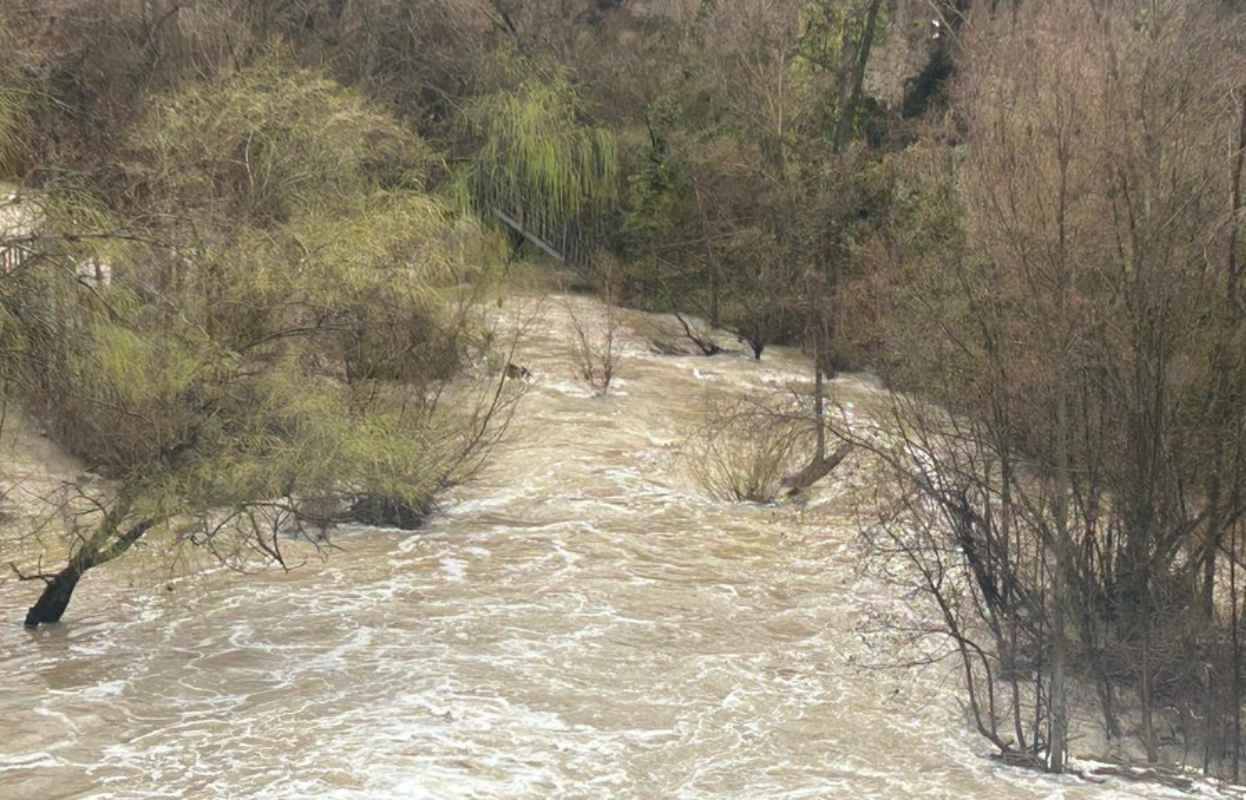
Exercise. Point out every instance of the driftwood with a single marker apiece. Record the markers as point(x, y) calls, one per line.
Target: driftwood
point(1152, 774)
point(529, 235)
point(816, 471)
point(1160, 775)
point(707, 345)
point(663, 347)
point(518, 372)
point(1021, 759)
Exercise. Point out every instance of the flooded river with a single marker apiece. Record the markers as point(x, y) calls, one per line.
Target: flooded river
point(580, 623)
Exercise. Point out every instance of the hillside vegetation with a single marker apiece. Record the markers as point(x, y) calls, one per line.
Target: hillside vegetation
point(258, 242)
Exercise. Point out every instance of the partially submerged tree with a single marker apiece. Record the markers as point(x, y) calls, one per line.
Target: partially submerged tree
point(742, 448)
point(756, 168)
point(595, 349)
point(1075, 318)
point(284, 342)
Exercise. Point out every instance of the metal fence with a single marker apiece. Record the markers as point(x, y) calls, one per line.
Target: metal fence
point(11, 257)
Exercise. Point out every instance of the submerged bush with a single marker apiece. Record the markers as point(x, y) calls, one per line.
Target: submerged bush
point(742, 450)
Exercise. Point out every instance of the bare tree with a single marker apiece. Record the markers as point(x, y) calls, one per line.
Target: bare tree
point(1069, 329)
point(595, 346)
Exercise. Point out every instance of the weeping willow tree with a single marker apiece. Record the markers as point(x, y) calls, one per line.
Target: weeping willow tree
point(540, 169)
point(13, 120)
point(12, 126)
point(246, 381)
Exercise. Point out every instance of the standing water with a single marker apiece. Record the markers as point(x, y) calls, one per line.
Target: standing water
point(579, 623)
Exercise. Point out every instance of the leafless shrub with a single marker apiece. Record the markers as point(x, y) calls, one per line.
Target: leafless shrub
point(676, 335)
point(742, 450)
point(594, 348)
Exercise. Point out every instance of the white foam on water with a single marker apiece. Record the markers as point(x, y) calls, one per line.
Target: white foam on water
point(771, 377)
point(454, 569)
point(105, 689)
point(569, 388)
point(583, 628)
point(28, 761)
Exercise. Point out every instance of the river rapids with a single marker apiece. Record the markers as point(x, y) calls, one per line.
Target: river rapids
point(580, 622)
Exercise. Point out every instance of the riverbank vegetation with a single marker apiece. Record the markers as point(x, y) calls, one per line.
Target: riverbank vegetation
point(1025, 217)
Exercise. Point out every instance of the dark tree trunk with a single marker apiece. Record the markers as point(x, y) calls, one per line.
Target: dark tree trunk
point(1235, 619)
point(711, 261)
point(843, 125)
point(819, 406)
point(55, 598)
point(393, 512)
point(818, 469)
point(59, 588)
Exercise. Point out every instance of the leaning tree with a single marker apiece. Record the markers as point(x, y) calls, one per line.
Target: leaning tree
point(283, 342)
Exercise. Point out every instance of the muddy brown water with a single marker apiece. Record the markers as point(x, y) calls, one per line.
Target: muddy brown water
point(580, 623)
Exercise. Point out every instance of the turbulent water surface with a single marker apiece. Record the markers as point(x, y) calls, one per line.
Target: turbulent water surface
point(580, 623)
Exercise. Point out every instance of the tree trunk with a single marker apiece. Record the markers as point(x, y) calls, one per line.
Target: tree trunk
point(757, 344)
point(815, 471)
point(712, 262)
point(59, 588)
point(842, 126)
point(1209, 715)
point(849, 109)
point(1040, 639)
point(1111, 725)
point(55, 598)
point(1237, 661)
point(1058, 697)
point(1146, 690)
point(1209, 572)
point(1239, 163)
point(819, 406)
point(1215, 529)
